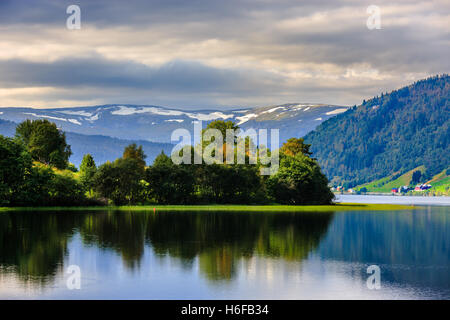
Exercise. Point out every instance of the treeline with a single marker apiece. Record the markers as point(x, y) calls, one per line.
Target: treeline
point(394, 132)
point(35, 171)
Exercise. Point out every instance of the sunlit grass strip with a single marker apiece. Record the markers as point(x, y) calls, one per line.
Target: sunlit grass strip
point(230, 208)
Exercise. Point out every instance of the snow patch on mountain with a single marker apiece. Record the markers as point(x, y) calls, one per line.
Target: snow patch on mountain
point(93, 118)
point(174, 120)
point(273, 109)
point(125, 111)
point(52, 118)
point(245, 118)
point(77, 113)
point(210, 116)
point(336, 111)
point(44, 116)
point(74, 121)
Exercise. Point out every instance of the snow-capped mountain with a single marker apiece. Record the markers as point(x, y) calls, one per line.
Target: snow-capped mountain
point(153, 123)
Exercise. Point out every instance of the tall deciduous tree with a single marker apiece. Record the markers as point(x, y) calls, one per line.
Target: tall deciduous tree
point(45, 142)
point(299, 181)
point(121, 181)
point(134, 152)
point(294, 146)
point(15, 165)
point(88, 169)
point(169, 183)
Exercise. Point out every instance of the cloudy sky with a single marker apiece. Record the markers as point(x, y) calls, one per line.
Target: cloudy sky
point(202, 53)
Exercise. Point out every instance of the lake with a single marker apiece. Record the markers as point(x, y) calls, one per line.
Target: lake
point(408, 200)
point(205, 255)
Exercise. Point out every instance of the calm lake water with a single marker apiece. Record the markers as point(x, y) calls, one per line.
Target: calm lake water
point(142, 255)
point(409, 200)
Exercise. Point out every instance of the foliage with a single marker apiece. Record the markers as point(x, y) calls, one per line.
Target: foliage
point(222, 126)
point(169, 183)
point(15, 165)
point(120, 181)
point(229, 183)
point(43, 187)
point(294, 146)
point(64, 190)
point(45, 142)
point(127, 181)
point(416, 176)
point(136, 153)
point(299, 181)
point(88, 169)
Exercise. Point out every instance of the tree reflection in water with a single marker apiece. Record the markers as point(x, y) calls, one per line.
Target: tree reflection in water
point(34, 244)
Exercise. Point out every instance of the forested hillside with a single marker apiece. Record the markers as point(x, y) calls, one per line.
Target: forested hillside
point(391, 133)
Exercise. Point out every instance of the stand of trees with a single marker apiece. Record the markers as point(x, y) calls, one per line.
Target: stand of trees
point(35, 171)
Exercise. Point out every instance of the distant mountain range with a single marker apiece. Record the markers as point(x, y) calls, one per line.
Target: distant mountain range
point(105, 130)
point(388, 135)
point(156, 124)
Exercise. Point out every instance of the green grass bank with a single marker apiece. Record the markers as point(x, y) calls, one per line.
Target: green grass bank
point(225, 208)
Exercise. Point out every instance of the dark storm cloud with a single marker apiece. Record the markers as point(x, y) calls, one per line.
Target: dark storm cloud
point(407, 47)
point(176, 76)
point(145, 12)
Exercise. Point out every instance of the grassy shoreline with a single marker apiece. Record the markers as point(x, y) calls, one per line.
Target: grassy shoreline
point(225, 208)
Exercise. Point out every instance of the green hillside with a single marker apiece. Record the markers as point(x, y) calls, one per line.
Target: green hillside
point(388, 135)
point(393, 181)
point(440, 183)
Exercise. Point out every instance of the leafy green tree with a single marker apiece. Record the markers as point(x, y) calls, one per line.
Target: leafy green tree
point(299, 181)
point(162, 160)
point(223, 126)
point(43, 187)
point(294, 146)
point(36, 189)
point(15, 165)
point(416, 176)
point(120, 181)
point(106, 180)
point(88, 169)
point(45, 142)
point(71, 167)
point(222, 183)
point(64, 190)
point(134, 152)
point(169, 183)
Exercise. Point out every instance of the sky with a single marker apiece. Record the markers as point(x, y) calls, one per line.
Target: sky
point(201, 54)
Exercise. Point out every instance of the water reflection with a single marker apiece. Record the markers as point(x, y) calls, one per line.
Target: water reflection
point(33, 245)
point(413, 247)
point(140, 255)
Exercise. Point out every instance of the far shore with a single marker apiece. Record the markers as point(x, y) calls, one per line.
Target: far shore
point(225, 208)
point(399, 200)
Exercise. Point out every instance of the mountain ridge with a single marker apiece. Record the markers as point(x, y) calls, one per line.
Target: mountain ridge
point(397, 131)
point(155, 123)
